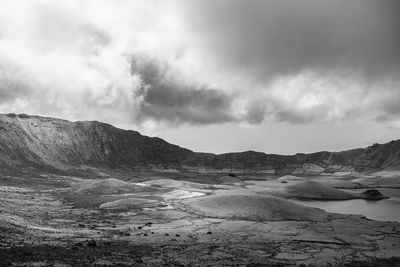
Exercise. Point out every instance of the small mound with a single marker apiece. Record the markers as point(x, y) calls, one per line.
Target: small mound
point(373, 194)
point(107, 186)
point(125, 202)
point(288, 178)
point(254, 207)
point(228, 179)
point(315, 190)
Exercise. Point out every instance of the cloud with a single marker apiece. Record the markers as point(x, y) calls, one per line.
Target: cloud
point(307, 60)
point(274, 38)
point(201, 62)
point(164, 98)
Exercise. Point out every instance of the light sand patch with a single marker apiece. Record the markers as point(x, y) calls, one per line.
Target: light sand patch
point(126, 202)
point(168, 183)
point(289, 178)
point(182, 194)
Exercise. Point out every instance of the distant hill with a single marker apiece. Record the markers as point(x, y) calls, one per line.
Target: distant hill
point(48, 144)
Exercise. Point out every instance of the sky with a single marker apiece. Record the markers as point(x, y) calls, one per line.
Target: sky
point(277, 76)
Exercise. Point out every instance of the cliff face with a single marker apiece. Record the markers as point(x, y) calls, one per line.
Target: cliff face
point(30, 141)
point(47, 143)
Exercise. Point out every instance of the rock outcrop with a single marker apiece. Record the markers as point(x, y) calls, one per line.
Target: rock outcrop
point(38, 143)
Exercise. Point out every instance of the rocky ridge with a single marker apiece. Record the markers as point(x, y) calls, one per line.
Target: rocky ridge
point(39, 143)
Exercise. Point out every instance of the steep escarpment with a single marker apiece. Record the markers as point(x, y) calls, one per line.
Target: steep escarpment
point(54, 144)
point(31, 141)
point(351, 162)
point(314, 163)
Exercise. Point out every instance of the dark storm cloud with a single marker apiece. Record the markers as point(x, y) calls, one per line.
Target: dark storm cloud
point(166, 99)
point(283, 37)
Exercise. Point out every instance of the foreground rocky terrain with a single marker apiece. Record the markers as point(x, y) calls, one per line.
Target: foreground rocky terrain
point(89, 194)
point(154, 219)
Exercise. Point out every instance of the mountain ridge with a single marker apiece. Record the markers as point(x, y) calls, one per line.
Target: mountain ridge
point(45, 143)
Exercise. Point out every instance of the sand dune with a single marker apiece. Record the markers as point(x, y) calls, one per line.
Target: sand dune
point(315, 190)
point(107, 186)
point(125, 202)
point(253, 207)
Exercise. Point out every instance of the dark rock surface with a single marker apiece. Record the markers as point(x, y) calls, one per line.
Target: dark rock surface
point(373, 194)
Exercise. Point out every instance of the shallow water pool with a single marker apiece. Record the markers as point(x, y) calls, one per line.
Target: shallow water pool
point(382, 210)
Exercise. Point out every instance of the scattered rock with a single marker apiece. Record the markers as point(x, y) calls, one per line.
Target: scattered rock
point(91, 243)
point(373, 194)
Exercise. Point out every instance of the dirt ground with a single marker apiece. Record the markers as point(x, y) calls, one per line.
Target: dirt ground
point(153, 219)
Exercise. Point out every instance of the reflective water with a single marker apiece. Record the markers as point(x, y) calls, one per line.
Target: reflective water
point(382, 210)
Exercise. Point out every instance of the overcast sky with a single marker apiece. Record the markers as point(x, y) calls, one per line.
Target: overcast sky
point(281, 76)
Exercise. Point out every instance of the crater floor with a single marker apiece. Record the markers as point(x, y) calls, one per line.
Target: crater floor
point(176, 219)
